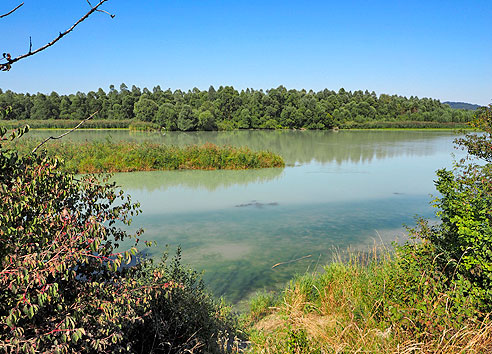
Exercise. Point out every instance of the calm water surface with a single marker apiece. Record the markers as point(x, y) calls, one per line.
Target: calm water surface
point(339, 190)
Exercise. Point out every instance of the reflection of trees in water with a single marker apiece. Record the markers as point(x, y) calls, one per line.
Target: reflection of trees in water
point(194, 179)
point(293, 146)
point(321, 146)
point(344, 146)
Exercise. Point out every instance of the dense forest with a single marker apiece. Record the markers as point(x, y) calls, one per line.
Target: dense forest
point(227, 108)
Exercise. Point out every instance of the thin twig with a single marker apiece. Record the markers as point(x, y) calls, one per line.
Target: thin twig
point(99, 10)
point(92, 183)
point(6, 66)
point(66, 133)
point(291, 261)
point(11, 11)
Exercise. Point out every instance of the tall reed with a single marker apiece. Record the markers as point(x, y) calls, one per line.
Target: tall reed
point(94, 157)
point(67, 123)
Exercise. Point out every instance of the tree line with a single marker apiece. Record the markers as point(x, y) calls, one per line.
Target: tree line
point(226, 108)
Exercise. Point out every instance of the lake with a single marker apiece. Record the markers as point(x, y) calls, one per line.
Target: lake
point(339, 190)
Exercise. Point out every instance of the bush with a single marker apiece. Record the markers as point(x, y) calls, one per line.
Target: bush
point(420, 299)
point(464, 236)
point(184, 319)
point(63, 286)
point(59, 283)
point(386, 124)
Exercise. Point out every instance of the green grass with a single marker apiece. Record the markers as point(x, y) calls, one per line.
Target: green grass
point(95, 157)
point(379, 303)
point(66, 123)
point(137, 125)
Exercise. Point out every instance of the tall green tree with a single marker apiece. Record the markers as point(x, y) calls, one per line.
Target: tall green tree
point(187, 118)
point(167, 116)
point(145, 109)
point(206, 121)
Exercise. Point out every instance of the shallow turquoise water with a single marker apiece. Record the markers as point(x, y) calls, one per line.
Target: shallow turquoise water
point(339, 189)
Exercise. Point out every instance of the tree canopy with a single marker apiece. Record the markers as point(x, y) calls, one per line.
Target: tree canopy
point(227, 108)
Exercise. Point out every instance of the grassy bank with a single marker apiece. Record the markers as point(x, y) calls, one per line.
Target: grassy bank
point(370, 304)
point(93, 157)
point(137, 125)
point(68, 124)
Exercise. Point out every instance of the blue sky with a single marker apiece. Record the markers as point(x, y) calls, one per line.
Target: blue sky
point(439, 49)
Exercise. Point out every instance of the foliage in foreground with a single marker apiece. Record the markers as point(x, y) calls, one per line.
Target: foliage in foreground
point(464, 237)
point(63, 285)
point(186, 318)
point(94, 157)
point(388, 304)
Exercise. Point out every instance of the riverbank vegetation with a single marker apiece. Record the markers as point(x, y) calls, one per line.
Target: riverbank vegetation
point(67, 124)
point(432, 294)
point(64, 286)
point(227, 108)
point(392, 303)
point(96, 157)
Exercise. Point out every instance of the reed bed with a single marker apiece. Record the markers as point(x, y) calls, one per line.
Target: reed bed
point(96, 157)
point(68, 123)
point(144, 126)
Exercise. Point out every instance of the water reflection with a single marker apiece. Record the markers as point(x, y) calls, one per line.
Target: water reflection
point(193, 179)
point(293, 146)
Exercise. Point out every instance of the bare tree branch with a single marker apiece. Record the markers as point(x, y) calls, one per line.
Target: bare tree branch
point(11, 11)
point(66, 133)
point(6, 66)
point(99, 10)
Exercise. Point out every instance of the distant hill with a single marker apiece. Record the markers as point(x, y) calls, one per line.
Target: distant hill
point(463, 105)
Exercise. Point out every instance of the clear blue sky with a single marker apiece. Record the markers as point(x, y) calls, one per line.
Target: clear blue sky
point(440, 49)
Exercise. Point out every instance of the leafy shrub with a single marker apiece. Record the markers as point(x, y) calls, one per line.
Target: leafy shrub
point(184, 319)
point(63, 287)
point(419, 298)
point(464, 236)
point(58, 278)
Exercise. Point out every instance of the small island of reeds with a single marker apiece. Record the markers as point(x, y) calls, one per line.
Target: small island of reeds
point(95, 157)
